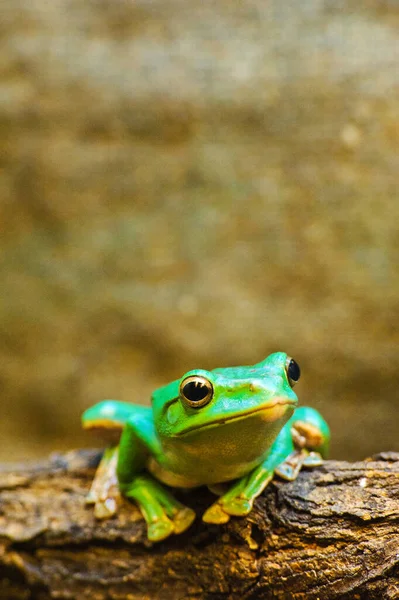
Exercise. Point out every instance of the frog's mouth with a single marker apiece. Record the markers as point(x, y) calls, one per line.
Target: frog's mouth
point(270, 414)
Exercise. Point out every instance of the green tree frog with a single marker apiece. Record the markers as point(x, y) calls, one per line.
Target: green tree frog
point(230, 429)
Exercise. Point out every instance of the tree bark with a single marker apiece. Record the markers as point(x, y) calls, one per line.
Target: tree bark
point(332, 533)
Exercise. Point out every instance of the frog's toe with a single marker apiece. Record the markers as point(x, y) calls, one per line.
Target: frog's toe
point(286, 471)
point(215, 514)
point(105, 509)
point(238, 507)
point(183, 519)
point(91, 498)
point(313, 459)
point(160, 530)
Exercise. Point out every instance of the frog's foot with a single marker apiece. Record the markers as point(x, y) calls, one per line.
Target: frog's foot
point(179, 516)
point(306, 438)
point(182, 519)
point(221, 511)
point(313, 459)
point(215, 514)
point(176, 522)
point(289, 469)
point(160, 529)
point(105, 509)
point(239, 499)
point(106, 501)
point(104, 492)
point(163, 513)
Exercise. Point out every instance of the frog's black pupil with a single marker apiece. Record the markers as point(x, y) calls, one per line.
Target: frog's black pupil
point(195, 391)
point(294, 372)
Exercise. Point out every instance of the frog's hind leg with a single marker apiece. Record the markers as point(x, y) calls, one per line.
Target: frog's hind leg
point(108, 418)
point(310, 436)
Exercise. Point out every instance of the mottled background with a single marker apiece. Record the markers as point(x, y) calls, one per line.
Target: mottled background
point(196, 184)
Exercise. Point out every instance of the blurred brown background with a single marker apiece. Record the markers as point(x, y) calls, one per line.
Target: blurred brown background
point(196, 184)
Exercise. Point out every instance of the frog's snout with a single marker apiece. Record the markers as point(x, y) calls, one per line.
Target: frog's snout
point(271, 395)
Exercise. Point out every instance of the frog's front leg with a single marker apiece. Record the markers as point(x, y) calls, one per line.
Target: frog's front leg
point(238, 500)
point(122, 468)
point(164, 515)
point(108, 418)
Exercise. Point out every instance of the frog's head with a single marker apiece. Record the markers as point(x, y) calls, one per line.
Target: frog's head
point(252, 400)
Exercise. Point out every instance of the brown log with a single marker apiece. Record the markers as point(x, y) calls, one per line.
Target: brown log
point(333, 533)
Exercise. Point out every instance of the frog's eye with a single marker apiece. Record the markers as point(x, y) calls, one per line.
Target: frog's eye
point(293, 371)
point(196, 391)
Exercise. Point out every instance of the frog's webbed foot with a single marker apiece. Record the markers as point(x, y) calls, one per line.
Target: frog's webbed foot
point(239, 499)
point(161, 527)
point(104, 491)
point(221, 511)
point(289, 469)
point(105, 507)
point(305, 437)
point(215, 514)
point(182, 519)
point(163, 513)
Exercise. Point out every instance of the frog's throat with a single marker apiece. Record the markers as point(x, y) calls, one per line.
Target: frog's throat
point(280, 402)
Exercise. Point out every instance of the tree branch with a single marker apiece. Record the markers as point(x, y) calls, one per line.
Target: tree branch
point(333, 533)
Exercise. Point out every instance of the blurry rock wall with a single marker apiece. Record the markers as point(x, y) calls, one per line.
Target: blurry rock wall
point(196, 184)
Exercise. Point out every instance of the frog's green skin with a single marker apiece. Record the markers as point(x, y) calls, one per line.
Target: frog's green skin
point(249, 429)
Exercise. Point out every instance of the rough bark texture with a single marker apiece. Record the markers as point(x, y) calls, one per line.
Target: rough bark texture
point(333, 533)
point(195, 184)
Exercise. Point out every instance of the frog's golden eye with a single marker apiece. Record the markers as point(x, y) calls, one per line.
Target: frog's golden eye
point(196, 391)
point(293, 371)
